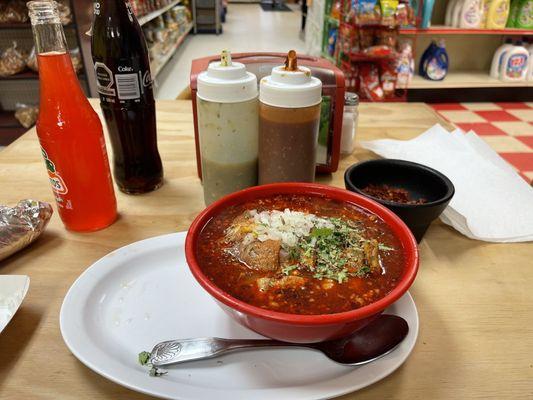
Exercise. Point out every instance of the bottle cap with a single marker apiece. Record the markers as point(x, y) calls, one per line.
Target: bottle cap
point(290, 86)
point(227, 82)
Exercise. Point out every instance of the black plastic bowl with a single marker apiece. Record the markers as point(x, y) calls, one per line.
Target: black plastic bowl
point(419, 180)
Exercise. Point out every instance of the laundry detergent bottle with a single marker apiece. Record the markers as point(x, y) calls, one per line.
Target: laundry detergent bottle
point(515, 64)
point(471, 14)
point(435, 65)
point(423, 60)
point(497, 59)
point(530, 68)
point(449, 12)
point(497, 14)
point(524, 16)
point(456, 13)
point(513, 13)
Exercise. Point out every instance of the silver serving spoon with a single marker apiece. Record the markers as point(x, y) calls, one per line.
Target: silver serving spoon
point(375, 340)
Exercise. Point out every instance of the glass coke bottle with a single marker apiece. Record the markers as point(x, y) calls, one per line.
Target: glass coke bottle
point(124, 83)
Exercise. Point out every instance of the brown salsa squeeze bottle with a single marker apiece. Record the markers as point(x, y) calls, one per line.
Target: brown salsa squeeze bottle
point(289, 118)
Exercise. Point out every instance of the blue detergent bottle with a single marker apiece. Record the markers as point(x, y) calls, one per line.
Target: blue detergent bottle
point(425, 56)
point(434, 62)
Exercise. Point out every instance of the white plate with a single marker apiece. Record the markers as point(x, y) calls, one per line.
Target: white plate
point(143, 293)
point(13, 289)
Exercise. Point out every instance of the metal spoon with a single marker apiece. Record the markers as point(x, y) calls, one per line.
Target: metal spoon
point(375, 340)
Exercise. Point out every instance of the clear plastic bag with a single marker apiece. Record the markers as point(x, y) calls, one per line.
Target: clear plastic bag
point(26, 114)
point(31, 62)
point(13, 11)
point(77, 62)
point(65, 13)
point(12, 61)
point(22, 224)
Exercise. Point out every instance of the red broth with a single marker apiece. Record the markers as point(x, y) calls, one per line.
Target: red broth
point(315, 296)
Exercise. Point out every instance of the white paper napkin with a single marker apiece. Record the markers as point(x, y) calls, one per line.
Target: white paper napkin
point(13, 289)
point(491, 203)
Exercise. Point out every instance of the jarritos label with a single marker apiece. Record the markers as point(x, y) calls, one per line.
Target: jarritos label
point(58, 184)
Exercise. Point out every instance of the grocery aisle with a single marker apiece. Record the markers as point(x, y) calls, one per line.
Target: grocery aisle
point(247, 28)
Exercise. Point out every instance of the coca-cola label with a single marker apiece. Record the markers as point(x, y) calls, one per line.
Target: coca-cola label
point(104, 79)
point(126, 84)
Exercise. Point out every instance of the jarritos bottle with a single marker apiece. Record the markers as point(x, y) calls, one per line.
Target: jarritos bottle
point(124, 83)
point(69, 131)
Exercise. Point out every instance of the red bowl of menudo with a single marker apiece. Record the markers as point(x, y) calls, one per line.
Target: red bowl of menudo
point(301, 262)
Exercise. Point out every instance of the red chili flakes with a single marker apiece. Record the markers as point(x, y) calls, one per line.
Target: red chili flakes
point(388, 193)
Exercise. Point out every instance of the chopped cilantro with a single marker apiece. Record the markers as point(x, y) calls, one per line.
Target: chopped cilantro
point(144, 357)
point(144, 360)
point(321, 232)
point(294, 254)
point(289, 268)
point(335, 253)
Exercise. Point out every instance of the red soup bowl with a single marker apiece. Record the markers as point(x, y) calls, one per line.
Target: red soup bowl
point(294, 327)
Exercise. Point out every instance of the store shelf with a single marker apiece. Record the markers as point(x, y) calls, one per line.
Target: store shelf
point(448, 30)
point(28, 75)
point(10, 128)
point(154, 14)
point(171, 52)
point(8, 120)
point(456, 80)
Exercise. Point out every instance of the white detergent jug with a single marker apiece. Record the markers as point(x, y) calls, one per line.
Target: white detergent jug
point(471, 14)
point(497, 59)
point(515, 64)
point(449, 12)
point(456, 13)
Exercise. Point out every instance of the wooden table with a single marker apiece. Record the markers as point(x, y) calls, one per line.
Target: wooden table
point(475, 299)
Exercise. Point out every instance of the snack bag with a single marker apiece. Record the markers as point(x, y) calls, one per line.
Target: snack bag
point(26, 115)
point(370, 85)
point(368, 12)
point(388, 78)
point(388, 12)
point(13, 11)
point(12, 61)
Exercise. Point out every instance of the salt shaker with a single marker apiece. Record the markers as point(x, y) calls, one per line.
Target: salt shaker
point(349, 122)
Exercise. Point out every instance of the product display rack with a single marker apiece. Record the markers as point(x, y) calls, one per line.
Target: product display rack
point(470, 52)
point(157, 68)
point(208, 16)
point(23, 88)
point(144, 19)
point(448, 30)
point(351, 62)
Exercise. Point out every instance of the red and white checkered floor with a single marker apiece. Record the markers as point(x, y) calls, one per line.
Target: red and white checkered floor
point(506, 127)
